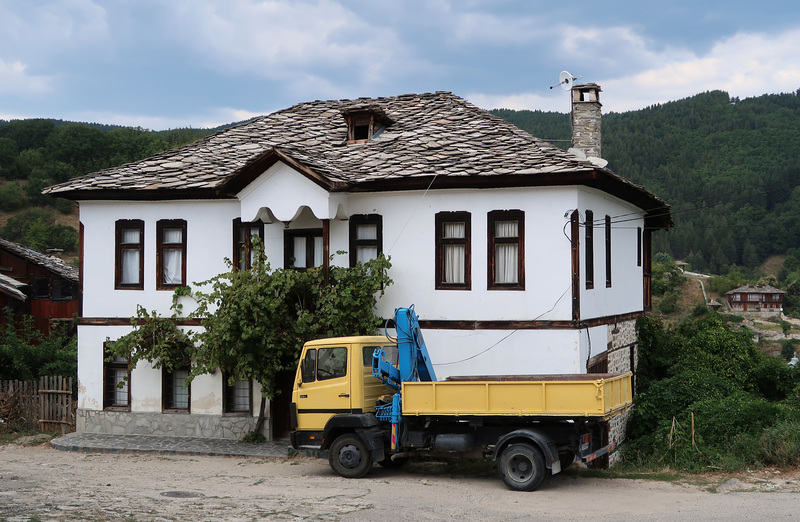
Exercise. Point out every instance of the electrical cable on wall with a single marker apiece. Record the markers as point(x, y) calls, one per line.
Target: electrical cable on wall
point(507, 336)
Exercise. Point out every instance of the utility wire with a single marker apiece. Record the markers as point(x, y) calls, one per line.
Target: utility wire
point(507, 336)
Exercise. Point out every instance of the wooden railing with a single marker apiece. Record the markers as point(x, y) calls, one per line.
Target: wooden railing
point(46, 405)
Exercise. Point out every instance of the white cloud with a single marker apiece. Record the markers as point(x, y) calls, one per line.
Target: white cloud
point(283, 40)
point(213, 117)
point(47, 29)
point(14, 80)
point(744, 65)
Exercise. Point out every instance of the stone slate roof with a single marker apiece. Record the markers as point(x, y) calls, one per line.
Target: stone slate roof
point(53, 264)
point(756, 289)
point(11, 287)
point(433, 134)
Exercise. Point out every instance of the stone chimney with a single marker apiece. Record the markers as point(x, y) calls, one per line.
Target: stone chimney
point(586, 119)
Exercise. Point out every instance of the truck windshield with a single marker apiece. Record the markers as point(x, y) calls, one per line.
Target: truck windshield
point(331, 363)
point(323, 364)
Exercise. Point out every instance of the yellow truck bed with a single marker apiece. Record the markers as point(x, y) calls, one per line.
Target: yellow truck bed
point(583, 395)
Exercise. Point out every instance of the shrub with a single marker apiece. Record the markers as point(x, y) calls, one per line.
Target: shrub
point(707, 397)
point(779, 445)
point(788, 349)
point(26, 354)
point(12, 197)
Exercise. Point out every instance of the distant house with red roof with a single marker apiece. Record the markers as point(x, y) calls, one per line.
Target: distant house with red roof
point(756, 298)
point(39, 285)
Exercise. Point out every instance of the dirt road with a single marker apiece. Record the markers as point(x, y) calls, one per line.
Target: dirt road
point(37, 482)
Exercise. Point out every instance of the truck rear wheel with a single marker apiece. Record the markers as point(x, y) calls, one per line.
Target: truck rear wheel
point(349, 456)
point(521, 466)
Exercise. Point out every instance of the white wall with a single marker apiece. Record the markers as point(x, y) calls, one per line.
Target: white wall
point(145, 382)
point(209, 240)
point(408, 238)
point(626, 292)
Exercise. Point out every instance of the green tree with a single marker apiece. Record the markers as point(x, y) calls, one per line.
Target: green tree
point(8, 158)
point(256, 321)
point(26, 354)
point(37, 229)
point(12, 197)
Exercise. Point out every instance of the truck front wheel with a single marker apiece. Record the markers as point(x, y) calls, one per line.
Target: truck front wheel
point(349, 457)
point(521, 466)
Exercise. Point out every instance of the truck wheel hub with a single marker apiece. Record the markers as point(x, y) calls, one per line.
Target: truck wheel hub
point(349, 456)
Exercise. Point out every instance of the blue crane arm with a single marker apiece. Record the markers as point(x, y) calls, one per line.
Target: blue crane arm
point(414, 363)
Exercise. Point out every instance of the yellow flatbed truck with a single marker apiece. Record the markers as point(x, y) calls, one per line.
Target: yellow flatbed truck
point(373, 399)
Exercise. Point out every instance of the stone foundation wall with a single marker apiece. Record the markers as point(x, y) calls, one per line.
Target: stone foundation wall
point(620, 347)
point(166, 424)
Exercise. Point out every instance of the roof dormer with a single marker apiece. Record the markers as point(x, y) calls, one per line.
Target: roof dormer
point(364, 123)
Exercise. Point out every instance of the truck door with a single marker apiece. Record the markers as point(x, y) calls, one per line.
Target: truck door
point(324, 390)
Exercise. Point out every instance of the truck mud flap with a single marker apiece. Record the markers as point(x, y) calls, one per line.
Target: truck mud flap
point(599, 453)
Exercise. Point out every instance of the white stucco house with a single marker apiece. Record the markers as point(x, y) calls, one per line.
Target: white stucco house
point(520, 257)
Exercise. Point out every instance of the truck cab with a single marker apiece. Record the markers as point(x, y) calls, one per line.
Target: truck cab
point(334, 378)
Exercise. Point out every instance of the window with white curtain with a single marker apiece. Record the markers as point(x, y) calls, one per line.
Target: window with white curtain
point(453, 252)
point(171, 254)
point(366, 237)
point(176, 391)
point(129, 254)
point(116, 383)
point(243, 234)
point(238, 397)
point(506, 251)
point(303, 249)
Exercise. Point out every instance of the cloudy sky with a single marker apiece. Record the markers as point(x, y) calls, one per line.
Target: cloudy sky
point(173, 63)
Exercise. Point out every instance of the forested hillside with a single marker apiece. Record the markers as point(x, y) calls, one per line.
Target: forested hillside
point(39, 152)
point(730, 169)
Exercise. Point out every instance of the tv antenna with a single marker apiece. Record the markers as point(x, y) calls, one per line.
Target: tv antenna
point(565, 80)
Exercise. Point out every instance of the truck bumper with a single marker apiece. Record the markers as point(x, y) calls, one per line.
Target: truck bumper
point(306, 440)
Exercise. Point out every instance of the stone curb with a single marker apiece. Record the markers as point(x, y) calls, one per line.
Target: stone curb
point(105, 443)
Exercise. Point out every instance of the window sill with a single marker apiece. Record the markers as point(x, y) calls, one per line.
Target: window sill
point(453, 287)
point(237, 414)
point(176, 410)
point(117, 408)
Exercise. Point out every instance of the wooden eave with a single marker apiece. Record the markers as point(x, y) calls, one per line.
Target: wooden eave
point(139, 194)
point(657, 213)
point(254, 168)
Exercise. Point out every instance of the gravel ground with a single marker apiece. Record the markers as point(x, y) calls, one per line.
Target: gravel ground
point(39, 483)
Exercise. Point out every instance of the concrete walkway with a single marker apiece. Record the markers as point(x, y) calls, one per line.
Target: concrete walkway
point(104, 443)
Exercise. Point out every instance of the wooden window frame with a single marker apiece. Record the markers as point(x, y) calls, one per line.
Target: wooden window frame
point(608, 250)
point(167, 402)
point(226, 398)
point(365, 219)
point(440, 220)
point(647, 268)
point(160, 247)
point(492, 218)
point(108, 392)
point(120, 247)
point(638, 246)
point(246, 245)
point(288, 246)
point(589, 253)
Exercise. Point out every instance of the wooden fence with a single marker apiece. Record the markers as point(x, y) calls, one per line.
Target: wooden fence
point(47, 405)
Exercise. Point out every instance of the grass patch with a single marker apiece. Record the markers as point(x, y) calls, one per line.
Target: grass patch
point(11, 437)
